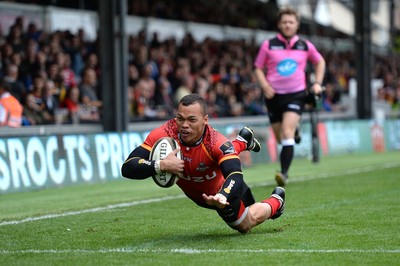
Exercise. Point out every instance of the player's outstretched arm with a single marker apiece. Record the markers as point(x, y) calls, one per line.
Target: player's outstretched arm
point(217, 200)
point(137, 165)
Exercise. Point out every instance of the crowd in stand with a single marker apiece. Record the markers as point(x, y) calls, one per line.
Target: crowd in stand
point(55, 76)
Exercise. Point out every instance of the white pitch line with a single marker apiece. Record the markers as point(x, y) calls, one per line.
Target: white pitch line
point(140, 202)
point(97, 209)
point(337, 173)
point(194, 251)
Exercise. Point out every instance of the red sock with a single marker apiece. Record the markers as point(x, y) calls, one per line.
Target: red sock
point(239, 145)
point(274, 203)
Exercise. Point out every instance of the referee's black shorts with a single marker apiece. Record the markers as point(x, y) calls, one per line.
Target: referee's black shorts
point(282, 103)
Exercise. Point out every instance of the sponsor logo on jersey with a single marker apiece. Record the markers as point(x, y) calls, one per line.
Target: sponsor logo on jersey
point(187, 159)
point(202, 167)
point(200, 179)
point(287, 67)
point(229, 188)
point(144, 161)
point(227, 148)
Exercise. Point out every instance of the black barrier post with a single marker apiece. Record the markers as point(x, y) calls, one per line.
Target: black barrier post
point(114, 64)
point(362, 11)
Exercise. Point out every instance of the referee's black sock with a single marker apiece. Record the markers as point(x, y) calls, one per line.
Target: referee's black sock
point(286, 155)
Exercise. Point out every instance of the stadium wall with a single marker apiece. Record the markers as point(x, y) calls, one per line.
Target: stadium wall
point(37, 162)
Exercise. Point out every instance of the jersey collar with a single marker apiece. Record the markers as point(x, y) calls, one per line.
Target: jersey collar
point(197, 143)
point(292, 41)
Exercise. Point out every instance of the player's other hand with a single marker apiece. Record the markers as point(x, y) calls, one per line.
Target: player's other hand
point(316, 89)
point(218, 200)
point(269, 92)
point(172, 164)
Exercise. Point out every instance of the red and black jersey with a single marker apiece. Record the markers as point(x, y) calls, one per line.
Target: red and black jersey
point(202, 172)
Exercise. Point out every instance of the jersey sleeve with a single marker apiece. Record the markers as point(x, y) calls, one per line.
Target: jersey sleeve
point(152, 138)
point(221, 149)
point(313, 55)
point(261, 58)
point(138, 165)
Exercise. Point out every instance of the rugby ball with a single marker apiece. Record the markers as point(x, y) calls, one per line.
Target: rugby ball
point(159, 151)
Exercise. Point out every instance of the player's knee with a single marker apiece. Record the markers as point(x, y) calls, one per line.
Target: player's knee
point(247, 224)
point(247, 230)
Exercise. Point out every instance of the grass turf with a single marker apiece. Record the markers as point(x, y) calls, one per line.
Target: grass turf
point(342, 211)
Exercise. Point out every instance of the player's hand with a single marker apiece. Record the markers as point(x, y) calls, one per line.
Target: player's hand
point(269, 92)
point(316, 89)
point(172, 164)
point(218, 200)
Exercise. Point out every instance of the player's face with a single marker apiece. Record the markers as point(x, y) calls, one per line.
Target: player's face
point(288, 26)
point(191, 123)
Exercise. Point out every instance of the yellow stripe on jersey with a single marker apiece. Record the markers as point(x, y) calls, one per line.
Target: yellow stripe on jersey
point(240, 173)
point(232, 156)
point(147, 147)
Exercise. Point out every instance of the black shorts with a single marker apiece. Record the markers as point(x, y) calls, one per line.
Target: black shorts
point(282, 103)
point(235, 212)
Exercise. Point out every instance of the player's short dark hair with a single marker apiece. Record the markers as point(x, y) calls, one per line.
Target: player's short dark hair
point(192, 99)
point(288, 10)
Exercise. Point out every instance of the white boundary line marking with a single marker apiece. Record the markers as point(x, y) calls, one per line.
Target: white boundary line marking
point(194, 251)
point(140, 202)
point(97, 209)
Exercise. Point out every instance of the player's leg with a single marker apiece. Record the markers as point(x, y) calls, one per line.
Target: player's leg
point(297, 133)
point(259, 212)
point(276, 128)
point(289, 124)
point(246, 140)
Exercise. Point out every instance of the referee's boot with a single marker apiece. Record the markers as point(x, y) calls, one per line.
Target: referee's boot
point(279, 194)
point(281, 179)
point(246, 134)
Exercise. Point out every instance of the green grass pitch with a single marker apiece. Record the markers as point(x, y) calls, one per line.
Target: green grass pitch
point(343, 211)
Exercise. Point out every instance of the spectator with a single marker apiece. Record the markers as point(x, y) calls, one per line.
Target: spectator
point(33, 33)
point(33, 113)
point(331, 98)
point(133, 75)
point(36, 106)
point(65, 71)
point(186, 88)
point(92, 61)
point(29, 65)
point(145, 81)
point(252, 102)
point(89, 90)
point(10, 108)
point(164, 100)
point(15, 39)
point(6, 54)
point(74, 49)
point(71, 103)
point(77, 113)
point(17, 88)
point(143, 103)
point(50, 100)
